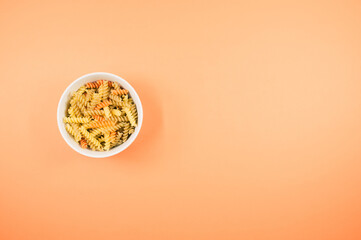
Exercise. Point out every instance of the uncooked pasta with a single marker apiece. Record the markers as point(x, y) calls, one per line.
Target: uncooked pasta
point(101, 115)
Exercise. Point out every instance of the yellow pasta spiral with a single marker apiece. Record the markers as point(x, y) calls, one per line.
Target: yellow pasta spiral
point(76, 120)
point(82, 104)
point(104, 90)
point(95, 100)
point(73, 132)
point(125, 132)
point(74, 111)
point(107, 141)
point(116, 98)
point(119, 118)
point(90, 138)
point(117, 139)
point(94, 112)
point(95, 132)
point(112, 128)
point(130, 116)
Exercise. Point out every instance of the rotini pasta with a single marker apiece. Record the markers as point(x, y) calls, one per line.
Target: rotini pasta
point(120, 92)
point(92, 140)
point(130, 116)
point(103, 104)
point(118, 100)
point(107, 112)
point(117, 139)
point(83, 143)
point(107, 141)
point(101, 115)
point(95, 100)
point(111, 128)
point(104, 90)
point(95, 132)
point(73, 132)
point(94, 112)
point(116, 112)
point(125, 132)
point(81, 103)
point(100, 124)
point(76, 120)
point(94, 84)
point(119, 118)
point(76, 126)
point(98, 118)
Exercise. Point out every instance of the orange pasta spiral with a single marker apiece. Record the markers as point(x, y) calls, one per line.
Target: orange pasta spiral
point(101, 124)
point(120, 92)
point(94, 84)
point(103, 104)
point(98, 118)
point(83, 143)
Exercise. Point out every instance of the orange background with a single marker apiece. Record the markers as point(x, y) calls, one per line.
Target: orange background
point(252, 120)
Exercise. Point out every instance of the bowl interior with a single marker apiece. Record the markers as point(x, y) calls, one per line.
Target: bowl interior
point(64, 103)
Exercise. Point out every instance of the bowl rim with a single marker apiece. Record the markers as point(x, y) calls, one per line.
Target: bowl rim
point(90, 153)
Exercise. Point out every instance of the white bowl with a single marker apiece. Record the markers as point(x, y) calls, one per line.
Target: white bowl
point(63, 106)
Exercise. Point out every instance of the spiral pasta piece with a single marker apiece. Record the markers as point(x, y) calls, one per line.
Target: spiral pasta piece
point(81, 104)
point(112, 128)
point(74, 111)
point(131, 130)
point(94, 147)
point(94, 112)
point(83, 143)
point(120, 92)
point(90, 138)
point(74, 133)
point(112, 136)
point(116, 112)
point(95, 132)
point(130, 116)
point(76, 126)
point(103, 104)
point(107, 112)
point(101, 124)
point(76, 120)
point(78, 93)
point(115, 85)
point(98, 118)
point(89, 97)
point(119, 118)
point(125, 132)
point(116, 98)
point(118, 139)
point(107, 141)
point(94, 84)
point(104, 90)
point(95, 100)
point(133, 110)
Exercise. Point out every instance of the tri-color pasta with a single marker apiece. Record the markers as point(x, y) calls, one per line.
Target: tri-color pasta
point(101, 115)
